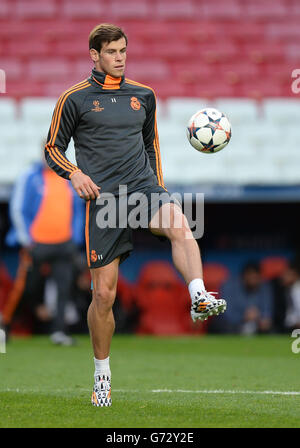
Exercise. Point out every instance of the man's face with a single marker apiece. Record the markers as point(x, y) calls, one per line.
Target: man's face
point(111, 59)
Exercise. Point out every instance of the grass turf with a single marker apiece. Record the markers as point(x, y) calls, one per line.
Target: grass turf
point(45, 386)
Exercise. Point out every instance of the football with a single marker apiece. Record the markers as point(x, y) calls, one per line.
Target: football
point(209, 130)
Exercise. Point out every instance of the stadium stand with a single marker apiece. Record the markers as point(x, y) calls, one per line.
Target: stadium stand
point(238, 57)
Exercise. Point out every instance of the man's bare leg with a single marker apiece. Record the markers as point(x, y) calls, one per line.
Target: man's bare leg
point(101, 326)
point(169, 221)
point(100, 316)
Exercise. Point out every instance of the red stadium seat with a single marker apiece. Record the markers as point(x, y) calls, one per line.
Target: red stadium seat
point(262, 88)
point(265, 9)
point(241, 31)
point(148, 71)
point(181, 9)
point(143, 32)
point(214, 274)
point(170, 87)
point(294, 8)
point(10, 28)
point(72, 9)
point(6, 9)
point(23, 89)
point(48, 69)
point(29, 9)
point(72, 47)
point(171, 50)
point(272, 267)
point(6, 284)
point(163, 301)
point(264, 52)
point(220, 10)
point(131, 9)
point(12, 67)
point(288, 32)
point(224, 51)
point(28, 47)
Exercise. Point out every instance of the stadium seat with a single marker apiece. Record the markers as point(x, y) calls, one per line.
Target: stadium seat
point(288, 32)
point(170, 50)
point(8, 110)
point(264, 52)
point(5, 9)
point(12, 67)
point(294, 9)
point(48, 69)
point(6, 284)
point(180, 110)
point(265, 10)
point(131, 9)
point(281, 111)
point(37, 110)
point(292, 51)
point(162, 300)
point(71, 9)
point(22, 88)
point(70, 47)
point(181, 9)
point(219, 10)
point(213, 90)
point(241, 31)
point(82, 68)
point(147, 71)
point(240, 111)
point(261, 89)
point(272, 267)
point(35, 9)
point(214, 275)
point(30, 46)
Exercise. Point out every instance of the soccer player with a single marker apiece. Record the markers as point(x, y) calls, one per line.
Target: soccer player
point(113, 123)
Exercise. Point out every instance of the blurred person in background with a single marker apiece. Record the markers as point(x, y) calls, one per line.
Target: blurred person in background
point(287, 295)
point(48, 223)
point(250, 305)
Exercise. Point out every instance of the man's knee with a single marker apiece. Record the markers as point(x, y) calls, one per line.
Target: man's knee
point(103, 298)
point(176, 223)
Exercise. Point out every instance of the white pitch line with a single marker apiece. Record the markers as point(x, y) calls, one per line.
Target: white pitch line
point(221, 391)
point(156, 391)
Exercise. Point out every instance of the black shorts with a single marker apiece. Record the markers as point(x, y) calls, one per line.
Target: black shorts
point(110, 221)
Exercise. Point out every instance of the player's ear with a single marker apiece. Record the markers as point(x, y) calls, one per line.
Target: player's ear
point(94, 55)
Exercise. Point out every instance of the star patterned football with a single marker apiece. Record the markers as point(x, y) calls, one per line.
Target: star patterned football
point(209, 130)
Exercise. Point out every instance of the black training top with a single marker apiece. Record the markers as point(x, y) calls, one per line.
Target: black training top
point(113, 125)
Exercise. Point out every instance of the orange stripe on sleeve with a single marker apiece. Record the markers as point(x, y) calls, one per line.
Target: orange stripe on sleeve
point(64, 160)
point(59, 112)
point(57, 161)
point(58, 105)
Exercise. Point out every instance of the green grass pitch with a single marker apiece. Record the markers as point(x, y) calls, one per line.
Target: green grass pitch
point(184, 382)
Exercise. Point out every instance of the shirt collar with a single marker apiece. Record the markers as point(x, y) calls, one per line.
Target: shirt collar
point(106, 82)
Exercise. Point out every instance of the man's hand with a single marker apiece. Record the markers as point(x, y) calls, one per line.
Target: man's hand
point(84, 186)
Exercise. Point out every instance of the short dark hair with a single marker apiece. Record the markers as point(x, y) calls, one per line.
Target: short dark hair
point(105, 32)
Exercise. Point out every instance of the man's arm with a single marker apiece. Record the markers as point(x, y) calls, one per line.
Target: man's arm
point(151, 142)
point(63, 125)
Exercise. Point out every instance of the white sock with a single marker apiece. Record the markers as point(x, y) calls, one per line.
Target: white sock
point(196, 286)
point(102, 367)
